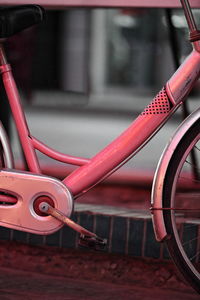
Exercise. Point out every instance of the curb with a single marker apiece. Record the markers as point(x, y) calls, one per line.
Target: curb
point(129, 232)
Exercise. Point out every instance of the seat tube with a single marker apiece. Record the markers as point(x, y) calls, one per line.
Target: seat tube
point(18, 114)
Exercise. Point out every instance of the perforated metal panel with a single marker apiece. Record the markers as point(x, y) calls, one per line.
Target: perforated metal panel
point(159, 105)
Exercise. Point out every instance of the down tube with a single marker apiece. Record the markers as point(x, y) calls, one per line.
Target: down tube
point(133, 138)
point(122, 147)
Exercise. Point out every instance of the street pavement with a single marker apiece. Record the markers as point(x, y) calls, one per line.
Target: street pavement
point(17, 285)
point(38, 272)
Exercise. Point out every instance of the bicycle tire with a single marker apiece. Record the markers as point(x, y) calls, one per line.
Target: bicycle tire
point(181, 189)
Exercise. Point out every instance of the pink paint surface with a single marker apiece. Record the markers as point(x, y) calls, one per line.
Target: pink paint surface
point(103, 3)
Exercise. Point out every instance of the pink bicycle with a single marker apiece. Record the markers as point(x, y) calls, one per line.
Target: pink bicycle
point(32, 202)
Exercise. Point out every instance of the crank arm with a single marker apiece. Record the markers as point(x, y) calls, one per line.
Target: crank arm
point(87, 238)
point(30, 190)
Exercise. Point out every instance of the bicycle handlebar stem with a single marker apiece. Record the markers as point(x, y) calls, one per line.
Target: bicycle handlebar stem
point(194, 33)
point(189, 15)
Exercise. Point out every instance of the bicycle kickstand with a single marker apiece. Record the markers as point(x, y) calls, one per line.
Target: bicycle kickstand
point(87, 238)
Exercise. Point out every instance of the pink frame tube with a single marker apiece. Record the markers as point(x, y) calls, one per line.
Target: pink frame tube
point(19, 117)
point(115, 153)
point(141, 130)
point(69, 159)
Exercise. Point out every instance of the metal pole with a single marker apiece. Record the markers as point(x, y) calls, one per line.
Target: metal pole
point(189, 15)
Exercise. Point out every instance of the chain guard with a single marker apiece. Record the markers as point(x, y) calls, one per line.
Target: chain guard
point(27, 187)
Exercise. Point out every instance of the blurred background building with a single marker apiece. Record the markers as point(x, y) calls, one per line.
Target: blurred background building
point(98, 52)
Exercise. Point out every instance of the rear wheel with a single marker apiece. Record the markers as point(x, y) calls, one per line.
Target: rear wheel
point(181, 194)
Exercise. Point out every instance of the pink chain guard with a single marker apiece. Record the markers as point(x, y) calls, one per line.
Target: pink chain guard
point(27, 187)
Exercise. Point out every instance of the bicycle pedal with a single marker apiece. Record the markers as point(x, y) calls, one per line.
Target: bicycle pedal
point(92, 242)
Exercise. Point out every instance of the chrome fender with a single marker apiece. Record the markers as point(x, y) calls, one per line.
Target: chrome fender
point(159, 177)
point(7, 151)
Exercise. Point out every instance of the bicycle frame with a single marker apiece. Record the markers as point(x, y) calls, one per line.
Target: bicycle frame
point(93, 170)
